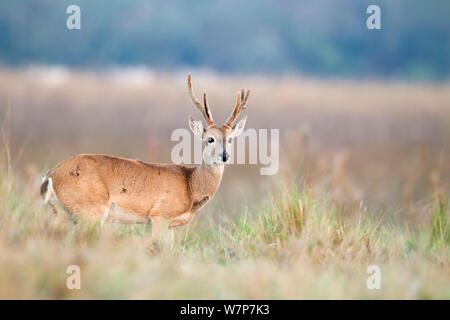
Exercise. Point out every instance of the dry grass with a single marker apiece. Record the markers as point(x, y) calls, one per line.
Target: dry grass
point(364, 179)
point(291, 247)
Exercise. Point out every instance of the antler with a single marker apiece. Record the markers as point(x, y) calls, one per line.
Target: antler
point(241, 104)
point(204, 109)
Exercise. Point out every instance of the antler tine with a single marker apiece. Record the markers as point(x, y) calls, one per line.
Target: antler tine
point(241, 103)
point(244, 103)
point(235, 112)
point(204, 109)
point(208, 112)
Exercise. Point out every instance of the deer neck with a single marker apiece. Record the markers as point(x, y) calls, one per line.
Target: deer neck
point(206, 180)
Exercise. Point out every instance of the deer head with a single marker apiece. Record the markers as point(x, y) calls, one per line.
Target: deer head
point(217, 140)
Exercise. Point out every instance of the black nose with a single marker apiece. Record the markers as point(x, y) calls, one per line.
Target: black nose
point(225, 156)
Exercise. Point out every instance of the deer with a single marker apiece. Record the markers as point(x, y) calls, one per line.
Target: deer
point(106, 188)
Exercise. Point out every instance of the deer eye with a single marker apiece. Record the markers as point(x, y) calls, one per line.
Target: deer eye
point(210, 140)
point(229, 140)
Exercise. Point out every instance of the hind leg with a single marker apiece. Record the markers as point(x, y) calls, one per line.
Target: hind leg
point(84, 194)
point(53, 207)
point(49, 196)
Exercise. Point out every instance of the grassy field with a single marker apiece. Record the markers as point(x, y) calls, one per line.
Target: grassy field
point(293, 246)
point(364, 180)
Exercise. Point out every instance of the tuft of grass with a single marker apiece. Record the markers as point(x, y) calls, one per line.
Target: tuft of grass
point(440, 226)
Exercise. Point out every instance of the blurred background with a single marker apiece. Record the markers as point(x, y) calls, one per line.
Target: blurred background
point(364, 115)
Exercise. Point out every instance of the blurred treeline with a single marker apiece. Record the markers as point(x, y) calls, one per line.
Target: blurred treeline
point(323, 38)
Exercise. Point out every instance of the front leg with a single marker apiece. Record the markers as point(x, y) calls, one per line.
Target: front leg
point(157, 223)
point(198, 204)
point(185, 217)
point(182, 219)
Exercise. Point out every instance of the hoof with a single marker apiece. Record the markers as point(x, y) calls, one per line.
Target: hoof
point(154, 247)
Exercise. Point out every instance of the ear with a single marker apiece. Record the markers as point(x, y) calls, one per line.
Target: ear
point(196, 127)
point(237, 130)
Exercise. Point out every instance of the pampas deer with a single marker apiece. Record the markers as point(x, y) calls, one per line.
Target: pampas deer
point(107, 188)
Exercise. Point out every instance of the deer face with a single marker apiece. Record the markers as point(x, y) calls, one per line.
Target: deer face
point(217, 141)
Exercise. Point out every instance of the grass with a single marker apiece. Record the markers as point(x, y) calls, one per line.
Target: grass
point(372, 158)
point(292, 246)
